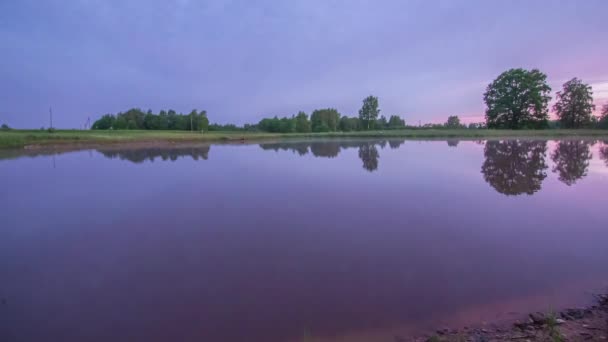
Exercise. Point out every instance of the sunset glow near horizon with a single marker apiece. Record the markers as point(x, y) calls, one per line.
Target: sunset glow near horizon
point(243, 60)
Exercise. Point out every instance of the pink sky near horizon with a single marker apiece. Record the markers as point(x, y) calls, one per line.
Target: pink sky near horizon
point(600, 98)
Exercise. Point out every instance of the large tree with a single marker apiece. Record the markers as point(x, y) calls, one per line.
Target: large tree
point(518, 99)
point(369, 112)
point(574, 105)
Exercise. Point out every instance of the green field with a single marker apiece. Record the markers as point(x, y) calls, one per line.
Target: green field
point(23, 138)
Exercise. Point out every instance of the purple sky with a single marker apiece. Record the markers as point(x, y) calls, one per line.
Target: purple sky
point(242, 60)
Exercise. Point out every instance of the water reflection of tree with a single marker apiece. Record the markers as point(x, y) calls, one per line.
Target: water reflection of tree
point(604, 152)
point(368, 149)
point(301, 148)
point(142, 154)
point(394, 144)
point(329, 149)
point(369, 155)
point(453, 142)
point(571, 158)
point(515, 167)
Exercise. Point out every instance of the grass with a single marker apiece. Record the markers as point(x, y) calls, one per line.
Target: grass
point(22, 138)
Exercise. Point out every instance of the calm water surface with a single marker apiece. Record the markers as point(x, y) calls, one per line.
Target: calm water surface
point(328, 241)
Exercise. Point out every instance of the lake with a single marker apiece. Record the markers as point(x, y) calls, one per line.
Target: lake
point(336, 240)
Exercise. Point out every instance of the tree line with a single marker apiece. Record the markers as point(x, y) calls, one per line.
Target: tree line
point(516, 99)
point(165, 120)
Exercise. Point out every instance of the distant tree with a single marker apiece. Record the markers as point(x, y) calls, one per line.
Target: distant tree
point(203, 122)
point(172, 120)
point(518, 99)
point(325, 120)
point(5, 127)
point(276, 125)
point(369, 112)
point(369, 155)
point(515, 167)
point(163, 120)
point(151, 121)
point(395, 122)
point(381, 123)
point(571, 158)
point(302, 123)
point(603, 122)
point(287, 125)
point(453, 122)
point(348, 124)
point(574, 105)
point(222, 128)
point(105, 122)
point(120, 122)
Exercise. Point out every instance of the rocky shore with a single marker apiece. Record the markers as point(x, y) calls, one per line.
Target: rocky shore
point(586, 324)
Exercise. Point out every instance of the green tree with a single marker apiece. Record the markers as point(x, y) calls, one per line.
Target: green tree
point(348, 124)
point(369, 112)
point(121, 122)
point(105, 122)
point(395, 122)
point(163, 120)
point(381, 123)
point(151, 121)
point(302, 123)
point(324, 120)
point(453, 122)
point(574, 105)
point(5, 127)
point(203, 122)
point(518, 99)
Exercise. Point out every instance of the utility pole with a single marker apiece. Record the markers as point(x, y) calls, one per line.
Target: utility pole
point(51, 115)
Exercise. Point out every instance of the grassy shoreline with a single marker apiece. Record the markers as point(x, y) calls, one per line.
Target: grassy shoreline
point(33, 138)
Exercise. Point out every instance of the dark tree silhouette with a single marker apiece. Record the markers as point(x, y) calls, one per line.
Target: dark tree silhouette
point(369, 155)
point(574, 105)
point(571, 158)
point(515, 167)
point(518, 99)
